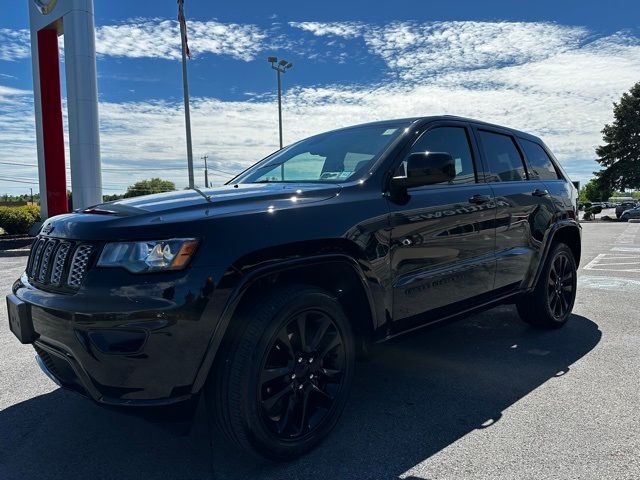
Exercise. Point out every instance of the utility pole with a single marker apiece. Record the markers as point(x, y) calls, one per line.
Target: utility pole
point(206, 172)
point(31, 195)
point(185, 84)
point(280, 67)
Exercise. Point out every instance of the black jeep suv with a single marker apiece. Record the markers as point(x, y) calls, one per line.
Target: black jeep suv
point(261, 293)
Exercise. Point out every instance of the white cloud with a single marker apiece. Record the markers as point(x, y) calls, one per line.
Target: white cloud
point(155, 38)
point(9, 94)
point(415, 50)
point(338, 29)
point(14, 44)
point(161, 39)
point(555, 81)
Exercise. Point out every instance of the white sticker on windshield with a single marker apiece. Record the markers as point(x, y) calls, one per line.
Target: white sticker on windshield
point(345, 174)
point(389, 131)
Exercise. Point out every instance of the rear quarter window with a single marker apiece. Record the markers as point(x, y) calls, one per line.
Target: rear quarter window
point(540, 164)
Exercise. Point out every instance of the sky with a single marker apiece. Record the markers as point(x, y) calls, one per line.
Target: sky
point(552, 68)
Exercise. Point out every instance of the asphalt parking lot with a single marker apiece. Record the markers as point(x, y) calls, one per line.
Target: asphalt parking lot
point(484, 398)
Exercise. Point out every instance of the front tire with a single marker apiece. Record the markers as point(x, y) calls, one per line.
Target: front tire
point(282, 383)
point(551, 302)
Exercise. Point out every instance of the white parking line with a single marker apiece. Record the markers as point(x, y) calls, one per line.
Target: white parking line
point(614, 263)
point(618, 284)
point(625, 249)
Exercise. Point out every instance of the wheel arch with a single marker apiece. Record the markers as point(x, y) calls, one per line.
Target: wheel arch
point(568, 232)
point(571, 237)
point(338, 273)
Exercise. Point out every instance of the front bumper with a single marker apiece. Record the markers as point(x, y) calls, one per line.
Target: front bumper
point(124, 339)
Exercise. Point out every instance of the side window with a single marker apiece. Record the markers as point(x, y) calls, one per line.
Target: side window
point(504, 162)
point(451, 140)
point(540, 163)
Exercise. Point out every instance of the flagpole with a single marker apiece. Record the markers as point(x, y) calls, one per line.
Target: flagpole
point(185, 84)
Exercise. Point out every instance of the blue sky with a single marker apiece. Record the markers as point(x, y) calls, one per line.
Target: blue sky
point(552, 68)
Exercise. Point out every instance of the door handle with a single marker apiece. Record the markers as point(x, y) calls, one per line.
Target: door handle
point(479, 199)
point(540, 193)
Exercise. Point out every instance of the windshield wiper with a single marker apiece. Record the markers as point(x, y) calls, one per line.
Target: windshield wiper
point(204, 195)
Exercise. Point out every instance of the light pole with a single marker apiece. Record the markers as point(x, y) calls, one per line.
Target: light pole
point(206, 172)
point(280, 67)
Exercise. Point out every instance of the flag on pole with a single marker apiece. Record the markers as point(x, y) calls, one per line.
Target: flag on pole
point(183, 27)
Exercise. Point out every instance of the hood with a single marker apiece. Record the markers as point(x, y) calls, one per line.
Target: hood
point(224, 196)
point(140, 216)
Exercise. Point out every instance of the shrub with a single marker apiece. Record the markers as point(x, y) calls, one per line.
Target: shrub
point(16, 220)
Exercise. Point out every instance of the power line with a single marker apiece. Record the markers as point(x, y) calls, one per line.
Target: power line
point(18, 181)
point(117, 169)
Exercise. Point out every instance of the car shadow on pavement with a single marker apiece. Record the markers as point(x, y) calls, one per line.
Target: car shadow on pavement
point(415, 397)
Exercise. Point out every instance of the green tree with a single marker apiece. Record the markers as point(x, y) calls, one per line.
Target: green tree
point(594, 191)
point(111, 198)
point(620, 154)
point(146, 187)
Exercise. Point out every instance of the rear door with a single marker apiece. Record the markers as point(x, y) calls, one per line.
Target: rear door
point(524, 209)
point(543, 167)
point(442, 237)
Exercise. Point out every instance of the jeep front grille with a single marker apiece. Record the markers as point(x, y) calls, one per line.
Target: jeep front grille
point(79, 265)
point(59, 263)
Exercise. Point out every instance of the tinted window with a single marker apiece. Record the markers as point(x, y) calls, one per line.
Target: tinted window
point(504, 162)
point(451, 140)
point(328, 157)
point(539, 161)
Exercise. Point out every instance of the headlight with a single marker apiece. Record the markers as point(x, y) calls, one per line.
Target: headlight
point(149, 256)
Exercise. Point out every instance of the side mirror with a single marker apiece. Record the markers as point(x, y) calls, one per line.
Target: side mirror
point(427, 168)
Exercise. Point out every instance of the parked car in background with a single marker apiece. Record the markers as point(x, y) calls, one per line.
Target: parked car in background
point(629, 214)
point(623, 206)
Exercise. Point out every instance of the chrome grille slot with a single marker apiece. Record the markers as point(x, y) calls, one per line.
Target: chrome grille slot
point(36, 256)
point(79, 265)
point(58, 263)
point(43, 270)
point(32, 251)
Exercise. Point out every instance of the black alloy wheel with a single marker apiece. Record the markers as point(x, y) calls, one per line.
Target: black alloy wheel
point(550, 303)
point(302, 373)
point(561, 285)
point(283, 377)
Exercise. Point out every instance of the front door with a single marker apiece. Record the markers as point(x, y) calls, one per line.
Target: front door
point(442, 236)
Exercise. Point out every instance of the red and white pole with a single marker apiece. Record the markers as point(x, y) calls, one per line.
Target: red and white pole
point(55, 178)
point(73, 18)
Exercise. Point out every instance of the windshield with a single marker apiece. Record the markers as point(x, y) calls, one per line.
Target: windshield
point(329, 157)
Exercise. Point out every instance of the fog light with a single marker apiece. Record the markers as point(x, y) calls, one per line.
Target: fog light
point(118, 342)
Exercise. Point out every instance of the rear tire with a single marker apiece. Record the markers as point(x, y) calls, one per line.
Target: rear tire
point(549, 305)
point(281, 383)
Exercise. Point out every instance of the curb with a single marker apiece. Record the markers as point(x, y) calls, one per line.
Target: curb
point(18, 252)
